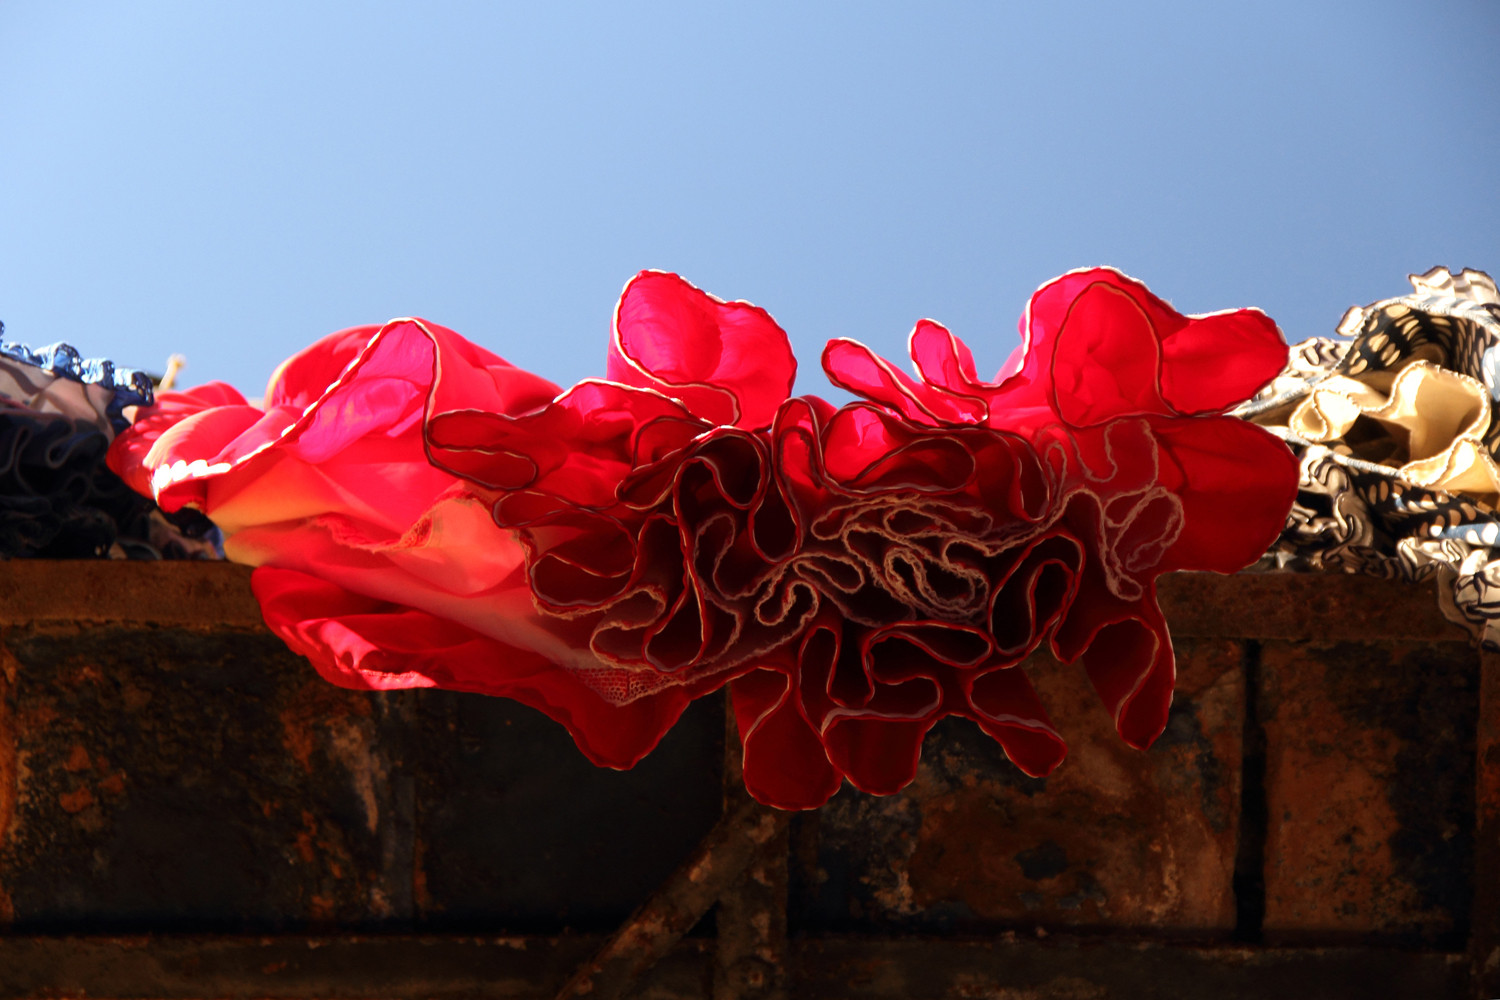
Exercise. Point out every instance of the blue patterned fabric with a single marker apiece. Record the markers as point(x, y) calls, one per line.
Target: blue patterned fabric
point(59, 412)
point(32, 371)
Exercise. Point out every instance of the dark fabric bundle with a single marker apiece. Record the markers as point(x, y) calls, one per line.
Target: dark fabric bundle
point(58, 414)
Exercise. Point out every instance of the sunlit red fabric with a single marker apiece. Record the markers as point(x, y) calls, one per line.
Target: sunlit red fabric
point(423, 513)
point(1124, 397)
point(384, 570)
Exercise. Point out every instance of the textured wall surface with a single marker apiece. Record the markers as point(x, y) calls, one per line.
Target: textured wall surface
point(1318, 820)
point(1113, 838)
point(177, 780)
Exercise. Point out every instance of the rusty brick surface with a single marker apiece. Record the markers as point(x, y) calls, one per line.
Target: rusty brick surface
point(187, 594)
point(1484, 944)
point(825, 969)
point(1114, 838)
point(751, 952)
point(166, 766)
point(1327, 606)
point(1015, 968)
point(208, 780)
point(170, 779)
point(1265, 605)
point(518, 832)
point(303, 968)
point(1369, 789)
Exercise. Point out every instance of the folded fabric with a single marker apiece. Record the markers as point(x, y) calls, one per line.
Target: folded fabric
point(58, 414)
point(422, 513)
point(58, 380)
point(1396, 437)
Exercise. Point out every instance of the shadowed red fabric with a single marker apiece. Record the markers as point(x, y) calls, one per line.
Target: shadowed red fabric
point(426, 515)
point(1125, 398)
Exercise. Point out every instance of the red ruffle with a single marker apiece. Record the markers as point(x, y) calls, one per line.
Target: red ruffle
point(1124, 397)
point(384, 570)
point(424, 514)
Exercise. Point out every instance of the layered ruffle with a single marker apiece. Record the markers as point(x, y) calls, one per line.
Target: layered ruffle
point(422, 513)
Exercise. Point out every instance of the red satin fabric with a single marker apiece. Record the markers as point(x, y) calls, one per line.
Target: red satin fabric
point(424, 514)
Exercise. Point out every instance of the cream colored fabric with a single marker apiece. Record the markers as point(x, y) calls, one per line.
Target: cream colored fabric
point(1395, 428)
point(1429, 425)
point(1413, 389)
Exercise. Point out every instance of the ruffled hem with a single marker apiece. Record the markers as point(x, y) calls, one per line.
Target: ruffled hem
point(425, 514)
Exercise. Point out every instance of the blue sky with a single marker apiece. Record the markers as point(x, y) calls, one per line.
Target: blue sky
point(233, 181)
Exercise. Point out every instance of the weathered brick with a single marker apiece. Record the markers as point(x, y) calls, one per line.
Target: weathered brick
point(171, 767)
point(176, 779)
point(1115, 837)
point(1484, 943)
point(1369, 789)
point(518, 832)
point(171, 779)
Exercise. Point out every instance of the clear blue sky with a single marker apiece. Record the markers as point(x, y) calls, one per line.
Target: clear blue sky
point(233, 181)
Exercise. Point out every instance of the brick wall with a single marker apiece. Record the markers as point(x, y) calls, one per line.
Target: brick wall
point(187, 810)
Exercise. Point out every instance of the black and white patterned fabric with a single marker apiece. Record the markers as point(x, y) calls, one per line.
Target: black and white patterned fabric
point(1397, 432)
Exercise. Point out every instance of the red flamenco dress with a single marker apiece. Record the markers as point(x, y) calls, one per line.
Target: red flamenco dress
point(422, 513)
